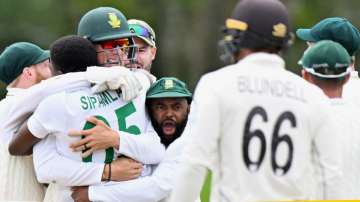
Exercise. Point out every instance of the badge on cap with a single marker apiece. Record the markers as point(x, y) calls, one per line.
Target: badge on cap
point(114, 21)
point(169, 84)
point(279, 30)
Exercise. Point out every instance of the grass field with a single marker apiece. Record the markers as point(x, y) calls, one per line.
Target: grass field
point(205, 191)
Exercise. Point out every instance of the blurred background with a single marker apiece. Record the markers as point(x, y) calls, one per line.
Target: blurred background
point(187, 31)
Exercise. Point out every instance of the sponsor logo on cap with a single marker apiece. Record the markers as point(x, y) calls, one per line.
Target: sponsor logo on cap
point(236, 24)
point(168, 84)
point(279, 30)
point(114, 21)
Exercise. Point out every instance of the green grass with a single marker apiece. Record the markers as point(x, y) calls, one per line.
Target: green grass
point(206, 189)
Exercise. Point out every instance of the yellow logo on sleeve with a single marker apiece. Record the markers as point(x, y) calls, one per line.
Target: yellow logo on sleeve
point(114, 21)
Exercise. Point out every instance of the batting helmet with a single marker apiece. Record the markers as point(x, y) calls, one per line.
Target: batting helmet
point(257, 24)
point(103, 24)
point(106, 24)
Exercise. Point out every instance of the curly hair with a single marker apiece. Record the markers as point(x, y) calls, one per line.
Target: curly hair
point(72, 54)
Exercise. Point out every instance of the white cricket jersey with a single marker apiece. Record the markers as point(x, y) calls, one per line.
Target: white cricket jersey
point(59, 113)
point(152, 188)
point(351, 90)
point(262, 131)
point(347, 116)
point(17, 175)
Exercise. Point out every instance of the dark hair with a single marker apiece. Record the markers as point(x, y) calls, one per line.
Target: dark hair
point(333, 82)
point(72, 54)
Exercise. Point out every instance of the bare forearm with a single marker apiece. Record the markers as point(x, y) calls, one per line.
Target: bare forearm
point(23, 142)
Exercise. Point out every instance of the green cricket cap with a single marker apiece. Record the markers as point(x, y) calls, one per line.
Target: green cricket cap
point(18, 56)
point(168, 87)
point(327, 59)
point(335, 29)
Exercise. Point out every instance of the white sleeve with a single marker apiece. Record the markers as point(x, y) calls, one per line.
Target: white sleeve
point(205, 123)
point(51, 167)
point(145, 78)
point(185, 189)
point(145, 147)
point(328, 153)
point(27, 103)
point(42, 123)
point(205, 119)
point(147, 189)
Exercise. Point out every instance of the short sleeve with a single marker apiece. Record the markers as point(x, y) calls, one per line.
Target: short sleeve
point(48, 117)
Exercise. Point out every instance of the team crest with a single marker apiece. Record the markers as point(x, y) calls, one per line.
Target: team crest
point(169, 84)
point(279, 30)
point(114, 21)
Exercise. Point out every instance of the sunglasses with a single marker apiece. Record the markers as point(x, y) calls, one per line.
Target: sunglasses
point(141, 31)
point(114, 43)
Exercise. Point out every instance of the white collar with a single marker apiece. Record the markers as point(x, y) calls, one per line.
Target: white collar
point(266, 60)
point(14, 91)
point(337, 101)
point(354, 74)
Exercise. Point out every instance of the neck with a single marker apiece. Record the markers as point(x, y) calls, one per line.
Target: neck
point(333, 92)
point(20, 83)
point(242, 54)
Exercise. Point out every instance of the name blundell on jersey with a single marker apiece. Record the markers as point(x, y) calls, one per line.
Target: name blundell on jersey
point(99, 100)
point(276, 88)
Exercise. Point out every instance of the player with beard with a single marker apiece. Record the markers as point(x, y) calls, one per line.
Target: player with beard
point(145, 41)
point(168, 102)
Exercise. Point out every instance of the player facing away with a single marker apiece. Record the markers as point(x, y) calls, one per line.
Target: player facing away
point(262, 130)
point(342, 31)
point(327, 65)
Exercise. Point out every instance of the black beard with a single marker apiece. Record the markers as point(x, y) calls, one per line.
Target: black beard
point(178, 131)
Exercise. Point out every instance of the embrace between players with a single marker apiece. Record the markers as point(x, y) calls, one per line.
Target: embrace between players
point(114, 134)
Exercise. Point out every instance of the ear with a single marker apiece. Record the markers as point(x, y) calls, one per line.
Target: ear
point(346, 79)
point(303, 72)
point(153, 52)
point(27, 73)
point(307, 76)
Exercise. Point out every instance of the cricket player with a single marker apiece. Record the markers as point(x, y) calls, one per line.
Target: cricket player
point(262, 130)
point(146, 43)
point(342, 31)
point(168, 103)
point(73, 107)
point(328, 66)
point(107, 33)
point(78, 53)
point(22, 65)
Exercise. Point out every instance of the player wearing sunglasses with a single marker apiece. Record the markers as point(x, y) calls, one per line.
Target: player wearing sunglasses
point(108, 30)
point(145, 42)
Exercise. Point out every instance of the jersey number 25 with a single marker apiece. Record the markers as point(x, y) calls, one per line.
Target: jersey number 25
point(121, 114)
